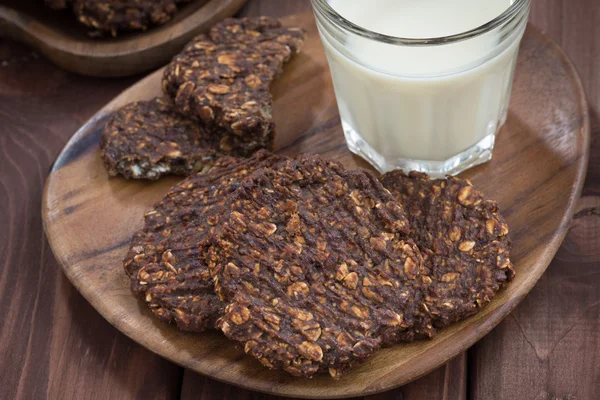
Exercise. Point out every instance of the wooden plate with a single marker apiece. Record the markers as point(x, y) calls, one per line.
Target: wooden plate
point(62, 39)
point(536, 175)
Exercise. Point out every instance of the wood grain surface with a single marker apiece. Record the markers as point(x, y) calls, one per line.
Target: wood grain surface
point(89, 218)
point(44, 320)
point(549, 348)
point(62, 39)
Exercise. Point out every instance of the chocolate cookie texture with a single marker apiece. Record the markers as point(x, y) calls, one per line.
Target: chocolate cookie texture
point(164, 262)
point(464, 241)
point(314, 267)
point(149, 139)
point(223, 78)
point(124, 15)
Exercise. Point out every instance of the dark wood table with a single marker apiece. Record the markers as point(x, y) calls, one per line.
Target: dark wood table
point(53, 344)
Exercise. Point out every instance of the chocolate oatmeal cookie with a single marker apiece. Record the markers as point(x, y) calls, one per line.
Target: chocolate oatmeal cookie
point(163, 260)
point(223, 78)
point(464, 242)
point(149, 139)
point(113, 16)
point(314, 267)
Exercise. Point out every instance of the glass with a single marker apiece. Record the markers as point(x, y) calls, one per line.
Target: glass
point(433, 105)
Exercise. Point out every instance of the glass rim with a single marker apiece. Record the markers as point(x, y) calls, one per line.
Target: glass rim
point(323, 7)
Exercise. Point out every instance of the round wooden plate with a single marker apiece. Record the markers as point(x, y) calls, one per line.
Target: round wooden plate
point(62, 39)
point(536, 175)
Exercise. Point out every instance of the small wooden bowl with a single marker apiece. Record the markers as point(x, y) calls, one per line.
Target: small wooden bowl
point(62, 39)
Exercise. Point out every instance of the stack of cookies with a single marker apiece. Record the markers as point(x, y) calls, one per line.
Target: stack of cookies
point(216, 102)
point(308, 266)
point(312, 267)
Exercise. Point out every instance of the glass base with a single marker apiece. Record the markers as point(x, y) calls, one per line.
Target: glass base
point(480, 153)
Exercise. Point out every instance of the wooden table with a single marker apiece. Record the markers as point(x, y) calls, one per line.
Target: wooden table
point(54, 345)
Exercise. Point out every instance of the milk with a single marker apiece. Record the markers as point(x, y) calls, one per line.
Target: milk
point(420, 107)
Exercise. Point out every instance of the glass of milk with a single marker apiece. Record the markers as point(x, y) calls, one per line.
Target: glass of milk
point(422, 84)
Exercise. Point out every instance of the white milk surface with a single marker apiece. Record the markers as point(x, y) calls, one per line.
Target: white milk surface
point(421, 103)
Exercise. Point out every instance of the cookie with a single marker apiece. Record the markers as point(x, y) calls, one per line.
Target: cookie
point(149, 139)
point(464, 241)
point(112, 17)
point(163, 260)
point(314, 268)
point(222, 79)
